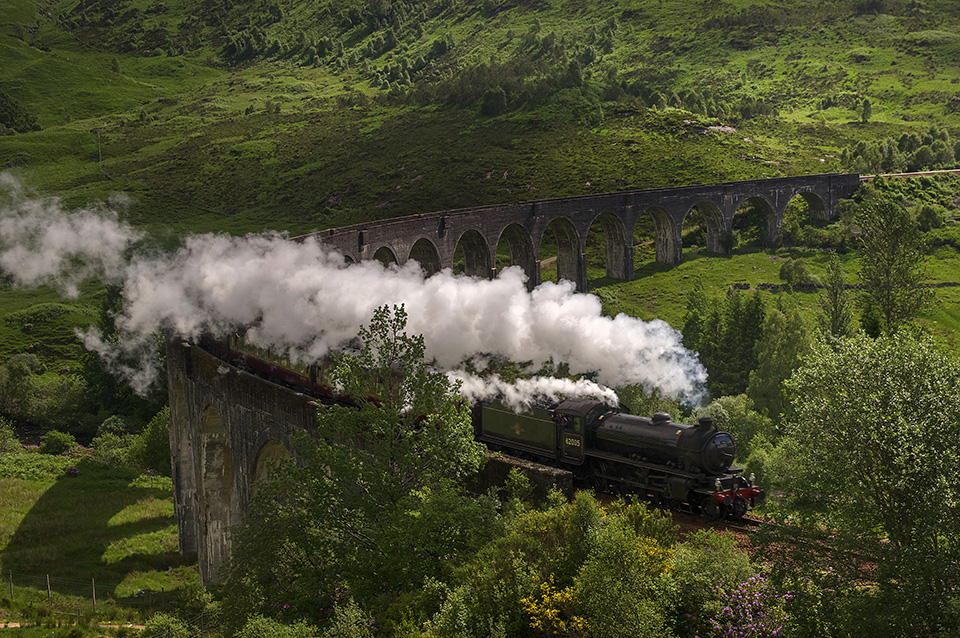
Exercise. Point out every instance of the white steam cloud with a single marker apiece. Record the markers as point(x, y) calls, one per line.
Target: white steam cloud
point(302, 299)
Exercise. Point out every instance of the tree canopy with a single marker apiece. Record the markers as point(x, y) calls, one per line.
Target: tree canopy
point(891, 262)
point(373, 501)
point(876, 459)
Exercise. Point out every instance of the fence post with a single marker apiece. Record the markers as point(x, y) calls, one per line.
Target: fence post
point(11, 588)
point(93, 581)
point(48, 588)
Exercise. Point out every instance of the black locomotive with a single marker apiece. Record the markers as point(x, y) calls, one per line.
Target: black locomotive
point(671, 463)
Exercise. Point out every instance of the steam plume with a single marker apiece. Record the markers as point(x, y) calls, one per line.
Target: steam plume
point(300, 298)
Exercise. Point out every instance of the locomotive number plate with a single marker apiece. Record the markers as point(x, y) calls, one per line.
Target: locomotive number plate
point(572, 442)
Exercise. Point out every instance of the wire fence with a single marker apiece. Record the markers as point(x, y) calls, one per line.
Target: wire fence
point(85, 595)
point(68, 598)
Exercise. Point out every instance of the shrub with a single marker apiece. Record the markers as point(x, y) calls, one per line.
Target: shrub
point(349, 621)
point(261, 627)
point(794, 272)
point(112, 449)
point(9, 443)
point(707, 564)
point(150, 450)
point(931, 216)
point(113, 425)
point(753, 608)
point(56, 442)
point(165, 626)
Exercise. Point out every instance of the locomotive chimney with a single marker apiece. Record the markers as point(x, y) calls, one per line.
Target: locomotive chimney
point(705, 422)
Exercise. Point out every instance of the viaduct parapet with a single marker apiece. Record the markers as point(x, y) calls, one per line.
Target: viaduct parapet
point(433, 239)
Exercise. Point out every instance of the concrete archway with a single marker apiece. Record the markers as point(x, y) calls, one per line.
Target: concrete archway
point(816, 207)
point(425, 253)
point(755, 215)
point(716, 229)
point(385, 256)
point(270, 452)
point(473, 248)
point(218, 491)
point(569, 257)
point(520, 247)
point(615, 243)
point(667, 237)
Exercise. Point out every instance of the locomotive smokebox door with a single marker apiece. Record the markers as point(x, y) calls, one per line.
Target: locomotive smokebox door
point(570, 435)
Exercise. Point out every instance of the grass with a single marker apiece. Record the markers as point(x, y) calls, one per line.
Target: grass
point(147, 106)
point(113, 526)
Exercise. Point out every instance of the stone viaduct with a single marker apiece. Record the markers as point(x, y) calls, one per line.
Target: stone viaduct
point(433, 239)
point(228, 418)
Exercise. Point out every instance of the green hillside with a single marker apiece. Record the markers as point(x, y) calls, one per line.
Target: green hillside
point(241, 116)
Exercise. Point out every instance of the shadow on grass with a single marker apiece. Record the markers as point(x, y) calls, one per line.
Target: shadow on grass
point(100, 523)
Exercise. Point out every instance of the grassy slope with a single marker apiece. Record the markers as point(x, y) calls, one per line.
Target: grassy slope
point(193, 140)
point(102, 524)
point(175, 131)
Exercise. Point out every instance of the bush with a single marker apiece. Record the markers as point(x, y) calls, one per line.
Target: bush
point(150, 450)
point(114, 425)
point(56, 443)
point(166, 626)
point(112, 450)
point(9, 443)
point(707, 564)
point(260, 627)
point(931, 216)
point(794, 272)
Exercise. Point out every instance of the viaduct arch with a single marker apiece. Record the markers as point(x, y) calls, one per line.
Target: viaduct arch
point(227, 425)
point(432, 239)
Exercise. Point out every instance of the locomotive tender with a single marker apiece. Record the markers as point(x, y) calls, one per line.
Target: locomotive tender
point(671, 463)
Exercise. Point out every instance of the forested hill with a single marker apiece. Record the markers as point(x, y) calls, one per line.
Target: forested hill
point(243, 115)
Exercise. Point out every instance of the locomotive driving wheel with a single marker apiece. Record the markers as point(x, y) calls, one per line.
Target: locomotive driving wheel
point(739, 507)
point(712, 510)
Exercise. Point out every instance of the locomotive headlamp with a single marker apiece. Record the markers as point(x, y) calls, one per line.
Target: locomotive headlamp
point(718, 485)
point(753, 478)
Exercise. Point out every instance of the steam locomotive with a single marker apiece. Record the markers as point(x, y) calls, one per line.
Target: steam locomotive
point(671, 463)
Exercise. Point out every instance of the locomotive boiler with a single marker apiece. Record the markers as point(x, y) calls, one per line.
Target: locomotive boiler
point(671, 463)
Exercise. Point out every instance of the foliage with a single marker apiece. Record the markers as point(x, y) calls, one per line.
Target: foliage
point(553, 613)
point(911, 151)
point(780, 350)
point(14, 116)
point(753, 609)
point(377, 504)
point(9, 443)
point(570, 568)
point(150, 449)
point(108, 393)
point(706, 565)
point(737, 415)
point(163, 625)
point(261, 627)
point(56, 443)
point(794, 272)
point(638, 400)
point(620, 584)
point(836, 306)
point(881, 417)
point(32, 467)
point(725, 333)
point(891, 264)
